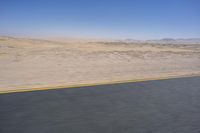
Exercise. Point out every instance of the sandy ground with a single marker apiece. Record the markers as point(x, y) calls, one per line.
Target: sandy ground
point(28, 63)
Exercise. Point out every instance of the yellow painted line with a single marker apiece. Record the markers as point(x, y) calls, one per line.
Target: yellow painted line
point(94, 84)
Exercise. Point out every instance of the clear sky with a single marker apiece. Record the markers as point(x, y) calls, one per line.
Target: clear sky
point(137, 19)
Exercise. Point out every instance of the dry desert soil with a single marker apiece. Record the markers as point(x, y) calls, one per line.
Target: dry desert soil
point(29, 63)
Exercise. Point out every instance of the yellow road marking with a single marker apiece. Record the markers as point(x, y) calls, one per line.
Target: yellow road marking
point(92, 84)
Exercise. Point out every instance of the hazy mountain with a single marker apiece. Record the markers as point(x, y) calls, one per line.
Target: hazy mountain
point(167, 41)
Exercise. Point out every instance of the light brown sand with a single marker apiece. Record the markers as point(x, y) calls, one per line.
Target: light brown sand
point(27, 63)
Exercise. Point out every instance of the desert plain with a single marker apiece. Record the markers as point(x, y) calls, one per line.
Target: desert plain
point(50, 62)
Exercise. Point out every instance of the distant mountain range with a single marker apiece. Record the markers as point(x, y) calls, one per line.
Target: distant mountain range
point(167, 41)
point(159, 41)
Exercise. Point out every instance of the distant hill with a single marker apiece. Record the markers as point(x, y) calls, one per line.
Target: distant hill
point(167, 41)
point(129, 40)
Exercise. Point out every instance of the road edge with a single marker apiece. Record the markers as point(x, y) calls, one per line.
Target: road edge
point(95, 84)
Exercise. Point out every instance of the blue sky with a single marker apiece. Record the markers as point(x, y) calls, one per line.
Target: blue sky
point(137, 19)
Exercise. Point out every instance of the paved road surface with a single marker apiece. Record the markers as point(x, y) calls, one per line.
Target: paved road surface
point(165, 106)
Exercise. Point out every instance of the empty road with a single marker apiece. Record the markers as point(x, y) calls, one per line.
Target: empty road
point(162, 106)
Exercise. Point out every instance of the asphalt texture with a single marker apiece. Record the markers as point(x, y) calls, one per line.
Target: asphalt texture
point(163, 106)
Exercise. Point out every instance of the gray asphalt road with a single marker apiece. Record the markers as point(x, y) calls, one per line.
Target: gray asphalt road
point(165, 106)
